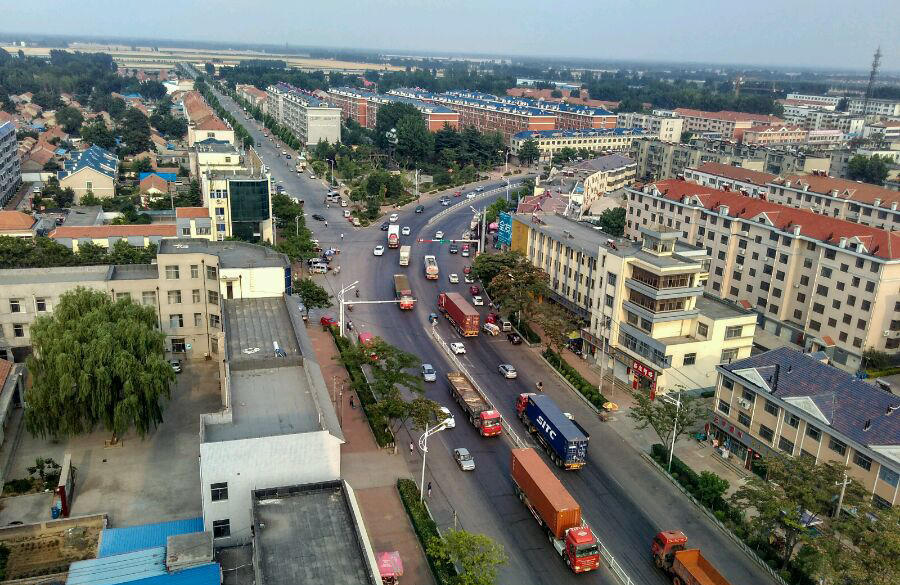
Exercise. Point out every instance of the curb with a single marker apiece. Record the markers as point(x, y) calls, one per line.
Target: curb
point(569, 384)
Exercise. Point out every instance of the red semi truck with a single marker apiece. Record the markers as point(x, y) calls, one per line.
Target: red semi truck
point(463, 316)
point(555, 510)
point(481, 414)
point(684, 566)
point(403, 293)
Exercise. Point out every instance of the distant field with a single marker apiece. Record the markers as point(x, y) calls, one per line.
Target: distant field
point(165, 57)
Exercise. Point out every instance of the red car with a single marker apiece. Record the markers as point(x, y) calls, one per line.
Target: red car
point(467, 269)
point(474, 290)
point(328, 321)
point(458, 194)
point(492, 318)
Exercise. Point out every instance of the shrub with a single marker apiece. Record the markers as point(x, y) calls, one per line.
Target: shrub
point(528, 333)
point(425, 529)
point(19, 486)
point(586, 389)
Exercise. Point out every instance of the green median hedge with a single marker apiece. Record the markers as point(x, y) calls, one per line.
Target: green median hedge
point(426, 530)
point(528, 333)
point(587, 389)
point(379, 424)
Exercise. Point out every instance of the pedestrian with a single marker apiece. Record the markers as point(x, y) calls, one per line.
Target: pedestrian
point(352, 404)
point(411, 448)
point(429, 489)
point(342, 236)
point(326, 224)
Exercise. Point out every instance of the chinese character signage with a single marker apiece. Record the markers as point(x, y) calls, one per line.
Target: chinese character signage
point(504, 234)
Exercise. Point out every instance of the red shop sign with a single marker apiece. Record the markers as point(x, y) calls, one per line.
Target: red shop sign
point(643, 370)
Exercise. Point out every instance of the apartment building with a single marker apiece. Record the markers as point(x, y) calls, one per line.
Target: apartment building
point(599, 176)
point(215, 155)
point(822, 283)
point(194, 222)
point(568, 116)
point(252, 94)
point(106, 236)
point(657, 159)
point(10, 171)
point(814, 118)
point(361, 106)
point(93, 170)
point(771, 135)
point(549, 142)
point(855, 201)
point(731, 178)
point(239, 203)
point(665, 128)
point(884, 131)
point(783, 402)
point(873, 107)
point(823, 100)
point(729, 125)
point(203, 123)
point(642, 302)
point(309, 118)
point(186, 287)
point(487, 115)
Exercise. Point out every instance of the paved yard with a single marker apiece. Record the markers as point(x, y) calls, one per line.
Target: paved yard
point(139, 480)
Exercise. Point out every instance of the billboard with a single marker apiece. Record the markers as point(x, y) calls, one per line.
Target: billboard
point(504, 234)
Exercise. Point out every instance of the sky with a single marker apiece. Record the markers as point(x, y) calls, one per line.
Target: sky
point(788, 33)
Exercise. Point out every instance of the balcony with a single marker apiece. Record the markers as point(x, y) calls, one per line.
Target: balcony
point(663, 294)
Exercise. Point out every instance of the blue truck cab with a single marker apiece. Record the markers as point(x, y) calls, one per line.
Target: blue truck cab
point(565, 440)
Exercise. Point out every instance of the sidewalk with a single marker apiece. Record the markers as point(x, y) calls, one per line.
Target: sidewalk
point(371, 472)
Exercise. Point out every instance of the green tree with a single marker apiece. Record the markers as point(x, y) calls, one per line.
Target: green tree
point(875, 555)
point(519, 287)
point(686, 137)
point(477, 556)
point(870, 169)
point(96, 132)
point(40, 253)
point(64, 198)
point(874, 359)
point(311, 294)
point(529, 152)
point(70, 119)
point(89, 199)
point(415, 144)
point(135, 131)
point(842, 105)
point(209, 68)
point(556, 324)
point(141, 165)
point(796, 495)
point(575, 93)
point(662, 413)
point(612, 221)
point(96, 362)
point(710, 489)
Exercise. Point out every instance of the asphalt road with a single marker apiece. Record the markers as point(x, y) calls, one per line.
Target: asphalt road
point(624, 500)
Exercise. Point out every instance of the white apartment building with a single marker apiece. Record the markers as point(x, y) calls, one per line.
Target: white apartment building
point(813, 118)
point(549, 142)
point(825, 100)
point(816, 281)
point(874, 107)
point(309, 118)
point(666, 128)
point(10, 171)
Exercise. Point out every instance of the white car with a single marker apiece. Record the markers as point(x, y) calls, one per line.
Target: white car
point(479, 189)
point(404, 231)
point(478, 301)
point(394, 217)
point(508, 371)
point(445, 202)
point(470, 195)
point(447, 418)
point(438, 235)
point(454, 278)
point(457, 348)
point(469, 279)
point(346, 213)
point(428, 373)
point(312, 176)
point(378, 251)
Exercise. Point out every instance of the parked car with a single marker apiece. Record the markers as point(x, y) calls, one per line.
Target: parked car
point(385, 226)
point(346, 213)
point(378, 251)
point(428, 373)
point(477, 301)
point(453, 278)
point(464, 459)
point(404, 231)
point(480, 188)
point(420, 208)
point(514, 338)
point(447, 418)
point(393, 217)
point(508, 371)
point(457, 348)
point(474, 290)
point(318, 217)
point(457, 194)
point(328, 320)
point(176, 366)
point(469, 279)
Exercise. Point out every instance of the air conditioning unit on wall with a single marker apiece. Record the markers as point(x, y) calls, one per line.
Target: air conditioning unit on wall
point(745, 404)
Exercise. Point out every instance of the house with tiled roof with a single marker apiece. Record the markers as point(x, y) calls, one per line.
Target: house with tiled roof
point(856, 201)
point(202, 120)
point(730, 178)
point(17, 224)
point(154, 186)
point(730, 125)
point(194, 222)
point(106, 236)
point(93, 170)
point(785, 403)
point(775, 134)
point(818, 282)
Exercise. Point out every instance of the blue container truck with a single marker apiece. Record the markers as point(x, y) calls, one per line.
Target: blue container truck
point(564, 439)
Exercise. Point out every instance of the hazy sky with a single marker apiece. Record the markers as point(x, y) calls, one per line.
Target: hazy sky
point(827, 33)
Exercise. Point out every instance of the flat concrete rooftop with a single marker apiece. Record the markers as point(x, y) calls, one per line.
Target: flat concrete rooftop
point(231, 254)
point(310, 534)
point(253, 326)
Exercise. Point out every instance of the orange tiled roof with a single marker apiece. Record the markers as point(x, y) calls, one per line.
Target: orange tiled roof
point(191, 212)
point(877, 242)
point(5, 368)
point(846, 189)
point(736, 173)
point(154, 181)
point(15, 221)
point(107, 231)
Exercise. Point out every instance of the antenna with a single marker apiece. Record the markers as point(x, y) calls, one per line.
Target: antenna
point(876, 61)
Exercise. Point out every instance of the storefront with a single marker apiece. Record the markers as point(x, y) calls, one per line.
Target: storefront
point(643, 378)
point(730, 442)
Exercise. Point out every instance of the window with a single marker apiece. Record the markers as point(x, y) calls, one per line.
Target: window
point(766, 433)
point(148, 297)
point(18, 330)
point(42, 305)
point(195, 271)
point(198, 319)
point(728, 355)
point(176, 320)
point(218, 491)
point(123, 296)
point(870, 286)
point(172, 272)
point(825, 272)
point(837, 446)
point(801, 298)
point(221, 528)
point(15, 305)
point(174, 297)
point(785, 445)
point(743, 419)
point(689, 359)
point(888, 476)
point(728, 384)
point(724, 407)
point(818, 308)
point(178, 345)
point(814, 325)
point(771, 408)
point(213, 297)
point(793, 420)
point(862, 461)
point(813, 433)
point(195, 296)
point(822, 290)
point(732, 332)
point(214, 321)
point(89, 185)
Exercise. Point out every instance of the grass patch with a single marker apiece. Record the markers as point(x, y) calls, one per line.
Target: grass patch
point(379, 424)
point(426, 530)
point(574, 378)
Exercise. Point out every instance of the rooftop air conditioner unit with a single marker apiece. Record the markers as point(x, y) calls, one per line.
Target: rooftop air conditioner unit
point(887, 333)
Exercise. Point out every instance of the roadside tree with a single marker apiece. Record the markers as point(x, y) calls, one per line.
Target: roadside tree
point(477, 556)
point(312, 295)
point(556, 324)
point(660, 415)
point(529, 152)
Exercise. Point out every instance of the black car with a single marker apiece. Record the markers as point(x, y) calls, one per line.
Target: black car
point(384, 226)
point(420, 208)
point(318, 217)
point(454, 248)
point(514, 338)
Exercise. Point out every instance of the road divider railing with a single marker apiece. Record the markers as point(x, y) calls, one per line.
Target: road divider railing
point(478, 195)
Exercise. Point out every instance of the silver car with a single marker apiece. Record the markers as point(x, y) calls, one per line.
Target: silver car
point(465, 461)
point(428, 373)
point(508, 371)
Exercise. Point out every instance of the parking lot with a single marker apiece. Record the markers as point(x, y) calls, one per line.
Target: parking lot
point(138, 480)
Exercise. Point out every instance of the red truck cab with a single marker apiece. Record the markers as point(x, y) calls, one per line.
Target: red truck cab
point(666, 544)
point(490, 423)
point(582, 551)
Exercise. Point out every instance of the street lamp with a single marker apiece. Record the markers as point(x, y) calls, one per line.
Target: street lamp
point(507, 189)
point(297, 224)
point(674, 426)
point(423, 446)
point(340, 297)
point(332, 172)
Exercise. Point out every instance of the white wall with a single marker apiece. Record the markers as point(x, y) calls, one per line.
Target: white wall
point(259, 463)
point(251, 283)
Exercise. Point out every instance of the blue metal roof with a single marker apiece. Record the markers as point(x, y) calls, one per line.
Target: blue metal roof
point(391, 98)
point(115, 541)
point(95, 158)
point(585, 133)
point(310, 99)
point(845, 402)
point(469, 98)
point(7, 128)
point(146, 567)
point(209, 574)
point(133, 96)
point(171, 177)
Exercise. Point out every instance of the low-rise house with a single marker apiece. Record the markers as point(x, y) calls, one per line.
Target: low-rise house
point(93, 170)
point(106, 236)
point(17, 224)
point(154, 185)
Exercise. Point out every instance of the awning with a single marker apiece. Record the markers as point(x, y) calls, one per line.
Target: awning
point(575, 335)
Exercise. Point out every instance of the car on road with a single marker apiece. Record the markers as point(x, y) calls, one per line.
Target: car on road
point(465, 251)
point(378, 251)
point(313, 177)
point(464, 459)
point(176, 366)
point(283, 153)
point(428, 373)
point(288, 156)
point(453, 278)
point(470, 195)
point(457, 194)
point(432, 318)
point(438, 235)
point(447, 418)
point(328, 320)
point(457, 348)
point(474, 290)
point(514, 338)
point(404, 231)
point(490, 329)
point(477, 301)
point(468, 278)
point(467, 269)
point(385, 226)
point(346, 213)
point(508, 371)
point(445, 202)
point(420, 208)
point(394, 217)
point(453, 249)
point(318, 217)
point(480, 188)
point(344, 203)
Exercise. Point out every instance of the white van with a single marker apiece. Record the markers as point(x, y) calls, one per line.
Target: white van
point(505, 325)
point(490, 329)
point(318, 269)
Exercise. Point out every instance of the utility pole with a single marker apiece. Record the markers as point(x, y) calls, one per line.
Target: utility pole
point(843, 484)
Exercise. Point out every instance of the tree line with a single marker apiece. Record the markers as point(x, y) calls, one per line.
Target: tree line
point(633, 93)
point(42, 252)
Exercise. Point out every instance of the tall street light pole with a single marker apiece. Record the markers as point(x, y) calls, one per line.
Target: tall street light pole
point(423, 446)
point(674, 429)
point(340, 297)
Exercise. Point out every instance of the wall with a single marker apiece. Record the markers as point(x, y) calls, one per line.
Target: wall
point(251, 283)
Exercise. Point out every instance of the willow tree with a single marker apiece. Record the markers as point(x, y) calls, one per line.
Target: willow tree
point(97, 363)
